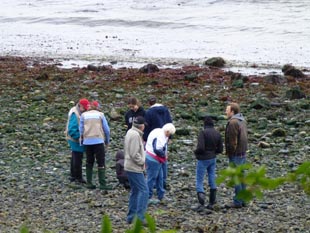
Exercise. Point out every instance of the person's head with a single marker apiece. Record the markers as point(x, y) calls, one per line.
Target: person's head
point(152, 100)
point(84, 105)
point(133, 103)
point(94, 105)
point(208, 121)
point(139, 122)
point(232, 109)
point(169, 129)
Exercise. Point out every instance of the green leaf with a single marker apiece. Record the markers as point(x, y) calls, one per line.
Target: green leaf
point(106, 225)
point(24, 229)
point(151, 223)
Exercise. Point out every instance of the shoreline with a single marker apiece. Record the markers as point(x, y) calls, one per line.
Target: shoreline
point(244, 67)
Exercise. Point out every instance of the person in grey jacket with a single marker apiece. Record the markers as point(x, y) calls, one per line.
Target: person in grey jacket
point(134, 167)
point(209, 144)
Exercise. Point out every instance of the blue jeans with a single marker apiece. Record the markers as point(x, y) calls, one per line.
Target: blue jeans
point(238, 161)
point(138, 198)
point(201, 168)
point(165, 173)
point(154, 170)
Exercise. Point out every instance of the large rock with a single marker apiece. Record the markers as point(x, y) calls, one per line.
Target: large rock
point(215, 61)
point(149, 68)
point(290, 70)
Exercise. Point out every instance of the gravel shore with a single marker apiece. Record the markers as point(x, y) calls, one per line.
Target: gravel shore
point(35, 190)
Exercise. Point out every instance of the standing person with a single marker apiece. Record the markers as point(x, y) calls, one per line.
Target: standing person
point(209, 144)
point(95, 135)
point(135, 109)
point(135, 166)
point(156, 117)
point(156, 154)
point(236, 144)
point(72, 135)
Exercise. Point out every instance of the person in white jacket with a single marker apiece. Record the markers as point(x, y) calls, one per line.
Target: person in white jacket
point(156, 155)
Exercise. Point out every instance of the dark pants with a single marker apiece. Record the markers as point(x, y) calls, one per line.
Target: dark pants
point(95, 151)
point(76, 165)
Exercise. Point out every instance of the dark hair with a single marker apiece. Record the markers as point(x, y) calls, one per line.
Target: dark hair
point(133, 100)
point(234, 107)
point(208, 121)
point(152, 99)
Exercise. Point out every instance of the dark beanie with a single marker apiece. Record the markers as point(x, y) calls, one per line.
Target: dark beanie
point(208, 121)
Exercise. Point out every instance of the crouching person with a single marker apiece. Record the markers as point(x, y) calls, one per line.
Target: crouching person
point(95, 135)
point(121, 174)
point(209, 145)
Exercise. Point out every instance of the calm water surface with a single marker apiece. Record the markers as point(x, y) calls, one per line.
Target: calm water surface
point(270, 32)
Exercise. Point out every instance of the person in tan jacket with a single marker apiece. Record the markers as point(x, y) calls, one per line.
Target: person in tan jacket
point(134, 167)
point(95, 136)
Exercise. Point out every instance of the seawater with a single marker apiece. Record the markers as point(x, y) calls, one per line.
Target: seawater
point(245, 32)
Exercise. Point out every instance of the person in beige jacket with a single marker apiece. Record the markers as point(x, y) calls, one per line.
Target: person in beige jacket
point(135, 166)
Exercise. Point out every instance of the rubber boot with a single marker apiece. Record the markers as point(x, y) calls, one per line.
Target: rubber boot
point(89, 178)
point(102, 181)
point(201, 200)
point(212, 199)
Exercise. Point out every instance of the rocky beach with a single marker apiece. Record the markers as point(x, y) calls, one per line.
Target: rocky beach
point(36, 95)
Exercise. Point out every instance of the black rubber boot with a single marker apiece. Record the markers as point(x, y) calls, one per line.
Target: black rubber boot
point(212, 199)
point(201, 199)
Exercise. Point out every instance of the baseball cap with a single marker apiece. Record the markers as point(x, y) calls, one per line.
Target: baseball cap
point(139, 120)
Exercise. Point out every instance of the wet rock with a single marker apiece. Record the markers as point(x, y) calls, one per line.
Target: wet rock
point(263, 144)
point(290, 70)
point(260, 103)
point(279, 132)
point(295, 93)
point(149, 68)
point(215, 61)
point(275, 79)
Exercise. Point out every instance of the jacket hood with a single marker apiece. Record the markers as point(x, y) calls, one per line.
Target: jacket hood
point(119, 155)
point(238, 116)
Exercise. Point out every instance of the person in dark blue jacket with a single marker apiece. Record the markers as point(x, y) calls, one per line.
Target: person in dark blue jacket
point(135, 110)
point(156, 117)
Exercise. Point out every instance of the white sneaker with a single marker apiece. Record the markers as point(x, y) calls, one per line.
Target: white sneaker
point(153, 201)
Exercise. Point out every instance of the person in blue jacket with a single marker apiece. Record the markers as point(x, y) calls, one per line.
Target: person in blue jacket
point(72, 135)
point(156, 117)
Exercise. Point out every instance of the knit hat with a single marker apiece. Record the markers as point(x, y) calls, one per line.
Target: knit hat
point(95, 104)
point(84, 103)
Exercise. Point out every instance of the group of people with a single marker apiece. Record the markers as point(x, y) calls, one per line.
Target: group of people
point(143, 164)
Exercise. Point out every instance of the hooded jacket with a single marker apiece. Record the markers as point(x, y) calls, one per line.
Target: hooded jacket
point(236, 136)
point(131, 115)
point(72, 129)
point(209, 144)
point(156, 117)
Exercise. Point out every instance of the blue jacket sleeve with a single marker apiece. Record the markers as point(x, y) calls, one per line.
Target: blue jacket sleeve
point(106, 130)
point(73, 127)
point(159, 152)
